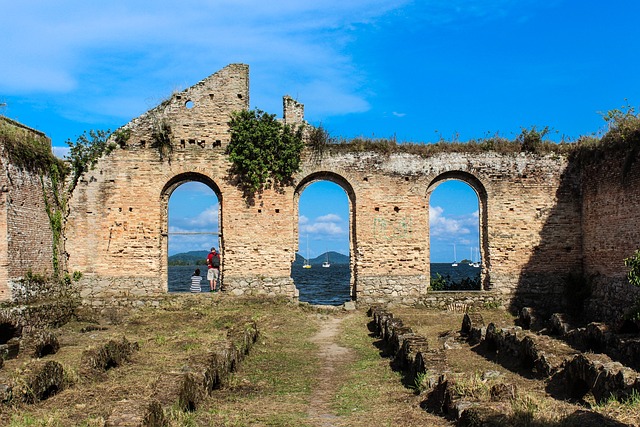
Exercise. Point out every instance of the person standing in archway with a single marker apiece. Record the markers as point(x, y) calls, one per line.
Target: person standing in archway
point(213, 273)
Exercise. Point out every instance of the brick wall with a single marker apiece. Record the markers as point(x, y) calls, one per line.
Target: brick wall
point(610, 210)
point(531, 212)
point(26, 241)
point(116, 232)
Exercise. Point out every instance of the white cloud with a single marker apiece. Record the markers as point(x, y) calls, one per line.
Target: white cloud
point(329, 218)
point(207, 218)
point(323, 228)
point(442, 226)
point(60, 152)
point(329, 225)
point(204, 221)
point(136, 48)
point(395, 113)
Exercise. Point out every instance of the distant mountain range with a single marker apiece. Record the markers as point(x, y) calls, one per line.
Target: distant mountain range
point(334, 258)
point(189, 258)
point(200, 258)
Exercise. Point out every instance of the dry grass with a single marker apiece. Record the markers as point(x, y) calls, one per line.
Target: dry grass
point(476, 371)
point(274, 385)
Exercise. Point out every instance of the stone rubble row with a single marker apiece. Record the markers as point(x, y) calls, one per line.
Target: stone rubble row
point(546, 357)
point(40, 379)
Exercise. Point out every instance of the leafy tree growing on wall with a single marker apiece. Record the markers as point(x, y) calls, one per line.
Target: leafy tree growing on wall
point(262, 149)
point(633, 262)
point(85, 152)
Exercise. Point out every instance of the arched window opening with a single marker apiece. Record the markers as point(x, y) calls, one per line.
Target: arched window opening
point(454, 230)
point(322, 271)
point(193, 229)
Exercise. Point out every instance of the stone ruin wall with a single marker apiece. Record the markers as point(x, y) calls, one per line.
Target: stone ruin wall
point(26, 240)
point(531, 212)
point(611, 232)
point(117, 228)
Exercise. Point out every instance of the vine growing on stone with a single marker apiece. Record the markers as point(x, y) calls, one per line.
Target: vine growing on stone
point(85, 152)
point(262, 149)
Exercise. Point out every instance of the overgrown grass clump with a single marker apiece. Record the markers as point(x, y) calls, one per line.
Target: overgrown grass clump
point(622, 133)
point(28, 149)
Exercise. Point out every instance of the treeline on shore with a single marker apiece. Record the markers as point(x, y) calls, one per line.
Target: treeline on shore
point(187, 262)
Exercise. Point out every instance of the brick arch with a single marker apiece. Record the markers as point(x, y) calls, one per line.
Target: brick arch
point(481, 193)
point(167, 190)
point(184, 177)
point(351, 196)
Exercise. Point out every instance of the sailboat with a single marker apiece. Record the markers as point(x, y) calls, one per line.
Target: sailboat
point(326, 263)
point(306, 260)
point(455, 263)
point(476, 264)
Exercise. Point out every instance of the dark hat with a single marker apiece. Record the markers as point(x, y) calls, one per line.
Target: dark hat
point(213, 249)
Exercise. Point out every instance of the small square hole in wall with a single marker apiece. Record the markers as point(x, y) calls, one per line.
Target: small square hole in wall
point(259, 210)
point(365, 179)
point(210, 96)
point(396, 209)
point(376, 209)
point(130, 209)
point(277, 210)
point(239, 96)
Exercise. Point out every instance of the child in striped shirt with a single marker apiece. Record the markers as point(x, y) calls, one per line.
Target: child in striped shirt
point(195, 281)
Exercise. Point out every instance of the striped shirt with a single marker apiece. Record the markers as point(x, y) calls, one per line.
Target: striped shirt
point(195, 283)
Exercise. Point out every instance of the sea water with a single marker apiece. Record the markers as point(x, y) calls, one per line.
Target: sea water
point(317, 285)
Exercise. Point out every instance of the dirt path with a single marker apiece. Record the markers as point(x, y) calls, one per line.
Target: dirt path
point(331, 355)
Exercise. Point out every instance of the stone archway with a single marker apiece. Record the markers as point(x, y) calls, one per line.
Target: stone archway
point(165, 196)
point(477, 186)
point(348, 189)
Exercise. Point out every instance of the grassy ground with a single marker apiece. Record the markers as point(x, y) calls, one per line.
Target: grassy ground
point(273, 386)
point(290, 378)
point(533, 405)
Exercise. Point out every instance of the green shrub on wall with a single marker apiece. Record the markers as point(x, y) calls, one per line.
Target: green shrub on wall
point(85, 152)
point(263, 149)
point(26, 149)
point(633, 262)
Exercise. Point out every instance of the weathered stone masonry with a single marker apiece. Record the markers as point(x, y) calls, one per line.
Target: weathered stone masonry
point(531, 211)
point(25, 233)
point(119, 210)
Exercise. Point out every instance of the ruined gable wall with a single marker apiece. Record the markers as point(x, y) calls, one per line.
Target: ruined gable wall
point(611, 205)
point(116, 231)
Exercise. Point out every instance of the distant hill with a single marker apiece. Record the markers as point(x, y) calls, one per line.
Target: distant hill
point(200, 257)
point(189, 258)
point(334, 258)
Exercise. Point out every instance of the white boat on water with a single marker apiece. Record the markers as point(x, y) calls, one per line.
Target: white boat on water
point(306, 260)
point(454, 263)
point(476, 264)
point(326, 263)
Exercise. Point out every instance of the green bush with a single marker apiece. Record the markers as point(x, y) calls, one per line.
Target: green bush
point(85, 152)
point(262, 149)
point(633, 262)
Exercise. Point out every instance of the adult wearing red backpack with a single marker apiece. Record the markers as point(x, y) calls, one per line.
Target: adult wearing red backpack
point(213, 273)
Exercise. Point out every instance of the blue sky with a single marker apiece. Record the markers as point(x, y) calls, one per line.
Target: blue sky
point(416, 70)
